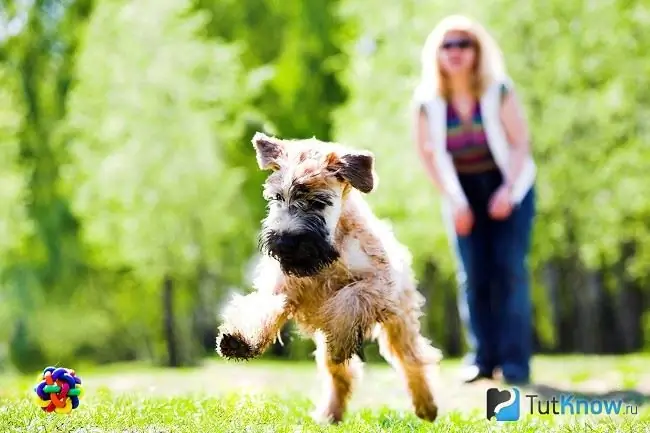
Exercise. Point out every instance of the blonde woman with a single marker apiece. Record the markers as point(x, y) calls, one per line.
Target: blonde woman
point(473, 141)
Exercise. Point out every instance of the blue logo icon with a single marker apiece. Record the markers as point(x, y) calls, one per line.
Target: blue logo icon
point(502, 405)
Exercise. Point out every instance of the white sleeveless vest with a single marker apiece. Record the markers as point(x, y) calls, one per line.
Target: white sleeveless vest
point(436, 109)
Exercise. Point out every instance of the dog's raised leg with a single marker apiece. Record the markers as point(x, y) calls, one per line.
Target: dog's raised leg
point(250, 324)
point(338, 381)
point(401, 344)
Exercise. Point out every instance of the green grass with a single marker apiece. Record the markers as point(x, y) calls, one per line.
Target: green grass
point(278, 397)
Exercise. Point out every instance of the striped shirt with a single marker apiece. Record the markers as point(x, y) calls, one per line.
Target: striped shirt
point(467, 142)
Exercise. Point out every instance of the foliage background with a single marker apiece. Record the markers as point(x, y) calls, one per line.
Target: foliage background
point(130, 198)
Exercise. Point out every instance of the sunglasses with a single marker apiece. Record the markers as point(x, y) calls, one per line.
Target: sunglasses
point(463, 44)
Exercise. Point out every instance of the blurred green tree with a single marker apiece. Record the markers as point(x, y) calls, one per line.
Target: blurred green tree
point(131, 198)
point(295, 49)
point(15, 225)
point(37, 49)
point(148, 119)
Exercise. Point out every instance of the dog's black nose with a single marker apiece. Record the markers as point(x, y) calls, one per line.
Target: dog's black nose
point(286, 244)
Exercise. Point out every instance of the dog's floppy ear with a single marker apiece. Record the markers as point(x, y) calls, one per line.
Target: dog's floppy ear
point(358, 169)
point(268, 150)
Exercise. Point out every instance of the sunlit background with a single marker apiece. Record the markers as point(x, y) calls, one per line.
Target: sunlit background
point(130, 198)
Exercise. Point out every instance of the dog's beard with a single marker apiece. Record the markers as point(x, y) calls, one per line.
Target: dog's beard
point(313, 254)
point(317, 256)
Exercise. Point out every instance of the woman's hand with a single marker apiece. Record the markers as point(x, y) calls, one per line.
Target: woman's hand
point(500, 206)
point(463, 220)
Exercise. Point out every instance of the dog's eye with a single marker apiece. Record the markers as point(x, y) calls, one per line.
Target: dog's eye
point(316, 204)
point(273, 197)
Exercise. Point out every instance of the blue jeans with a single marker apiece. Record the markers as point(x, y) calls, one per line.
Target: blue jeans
point(494, 291)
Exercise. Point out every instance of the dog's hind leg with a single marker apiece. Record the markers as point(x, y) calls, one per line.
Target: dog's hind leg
point(338, 381)
point(349, 316)
point(250, 324)
point(402, 345)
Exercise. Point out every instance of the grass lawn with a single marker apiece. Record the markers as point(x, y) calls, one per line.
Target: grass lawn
point(263, 396)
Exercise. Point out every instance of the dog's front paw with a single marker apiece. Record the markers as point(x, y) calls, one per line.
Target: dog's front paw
point(233, 346)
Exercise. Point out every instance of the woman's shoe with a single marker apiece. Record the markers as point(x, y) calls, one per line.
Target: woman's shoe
point(471, 373)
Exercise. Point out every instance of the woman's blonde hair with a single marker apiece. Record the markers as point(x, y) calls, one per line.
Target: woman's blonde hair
point(489, 67)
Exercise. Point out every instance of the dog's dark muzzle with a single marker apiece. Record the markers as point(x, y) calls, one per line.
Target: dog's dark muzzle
point(303, 253)
point(290, 245)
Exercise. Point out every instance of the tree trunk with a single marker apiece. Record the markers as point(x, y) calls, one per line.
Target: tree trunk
point(628, 306)
point(204, 313)
point(586, 290)
point(591, 302)
point(551, 282)
point(453, 326)
point(173, 359)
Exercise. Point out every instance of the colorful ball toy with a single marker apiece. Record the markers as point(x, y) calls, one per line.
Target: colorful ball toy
point(59, 390)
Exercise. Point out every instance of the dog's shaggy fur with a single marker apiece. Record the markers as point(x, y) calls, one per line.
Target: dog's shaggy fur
point(332, 266)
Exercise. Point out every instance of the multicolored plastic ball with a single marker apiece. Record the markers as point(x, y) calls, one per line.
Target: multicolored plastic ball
point(59, 390)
